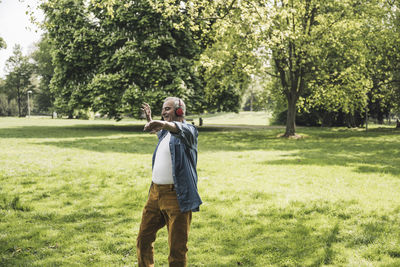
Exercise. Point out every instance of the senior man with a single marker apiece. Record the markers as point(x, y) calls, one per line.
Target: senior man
point(173, 193)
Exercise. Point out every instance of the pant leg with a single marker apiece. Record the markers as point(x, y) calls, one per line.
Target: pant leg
point(152, 221)
point(178, 225)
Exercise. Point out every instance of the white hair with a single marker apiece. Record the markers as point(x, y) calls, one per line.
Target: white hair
point(177, 103)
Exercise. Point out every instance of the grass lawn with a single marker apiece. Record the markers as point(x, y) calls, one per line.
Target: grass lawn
point(72, 193)
point(230, 118)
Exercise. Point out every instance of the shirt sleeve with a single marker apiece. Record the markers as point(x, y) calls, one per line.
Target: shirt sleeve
point(187, 133)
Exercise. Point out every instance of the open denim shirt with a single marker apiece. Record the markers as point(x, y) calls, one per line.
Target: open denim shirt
point(183, 147)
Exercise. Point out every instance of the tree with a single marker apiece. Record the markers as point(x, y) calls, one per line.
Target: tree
point(17, 82)
point(2, 43)
point(394, 82)
point(228, 63)
point(72, 42)
point(44, 68)
point(109, 57)
point(381, 37)
point(227, 60)
point(259, 95)
point(307, 42)
point(3, 99)
point(314, 48)
point(357, 69)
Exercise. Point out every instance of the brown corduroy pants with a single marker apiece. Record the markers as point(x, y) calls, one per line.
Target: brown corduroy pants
point(162, 209)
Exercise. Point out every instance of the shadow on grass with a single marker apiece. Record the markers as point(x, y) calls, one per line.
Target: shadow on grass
point(75, 131)
point(138, 144)
point(90, 130)
point(58, 237)
point(377, 150)
point(303, 234)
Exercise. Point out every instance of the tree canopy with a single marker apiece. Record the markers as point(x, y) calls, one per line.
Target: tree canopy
point(318, 51)
point(44, 68)
point(112, 62)
point(18, 80)
point(318, 56)
point(2, 43)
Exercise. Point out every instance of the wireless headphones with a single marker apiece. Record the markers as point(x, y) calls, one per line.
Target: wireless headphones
point(179, 111)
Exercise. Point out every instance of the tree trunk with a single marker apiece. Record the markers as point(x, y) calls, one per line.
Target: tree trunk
point(19, 102)
point(251, 101)
point(291, 116)
point(380, 117)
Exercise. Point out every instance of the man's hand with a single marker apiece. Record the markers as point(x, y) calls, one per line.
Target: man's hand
point(147, 111)
point(154, 126)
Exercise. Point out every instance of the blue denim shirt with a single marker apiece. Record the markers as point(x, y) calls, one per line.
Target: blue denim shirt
point(183, 147)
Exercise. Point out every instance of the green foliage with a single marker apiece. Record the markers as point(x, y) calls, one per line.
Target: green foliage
point(341, 82)
point(2, 43)
point(3, 105)
point(317, 50)
point(226, 60)
point(18, 80)
point(396, 94)
point(108, 89)
point(395, 60)
point(324, 54)
point(382, 53)
point(228, 63)
point(334, 56)
point(44, 69)
point(369, 61)
point(314, 51)
point(261, 95)
point(113, 61)
point(73, 55)
point(8, 107)
point(384, 95)
point(324, 118)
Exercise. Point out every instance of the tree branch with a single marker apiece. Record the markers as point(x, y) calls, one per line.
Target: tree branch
point(220, 17)
point(256, 10)
point(271, 74)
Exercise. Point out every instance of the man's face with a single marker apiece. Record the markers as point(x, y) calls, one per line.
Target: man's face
point(168, 111)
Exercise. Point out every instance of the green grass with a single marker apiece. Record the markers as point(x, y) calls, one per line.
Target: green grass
point(72, 193)
point(230, 118)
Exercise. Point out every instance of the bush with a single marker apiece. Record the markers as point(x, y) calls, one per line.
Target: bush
point(302, 119)
point(8, 108)
point(322, 118)
point(13, 108)
point(82, 114)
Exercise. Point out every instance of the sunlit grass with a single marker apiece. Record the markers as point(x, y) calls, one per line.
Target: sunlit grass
point(72, 193)
point(231, 118)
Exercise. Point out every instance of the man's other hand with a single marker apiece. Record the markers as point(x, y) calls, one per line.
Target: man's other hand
point(147, 111)
point(154, 126)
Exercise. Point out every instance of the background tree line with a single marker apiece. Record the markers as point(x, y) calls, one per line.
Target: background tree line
point(311, 62)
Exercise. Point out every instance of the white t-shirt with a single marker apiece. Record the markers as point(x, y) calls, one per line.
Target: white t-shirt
point(162, 169)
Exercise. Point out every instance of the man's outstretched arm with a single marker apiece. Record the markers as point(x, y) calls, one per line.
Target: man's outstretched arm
point(156, 125)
